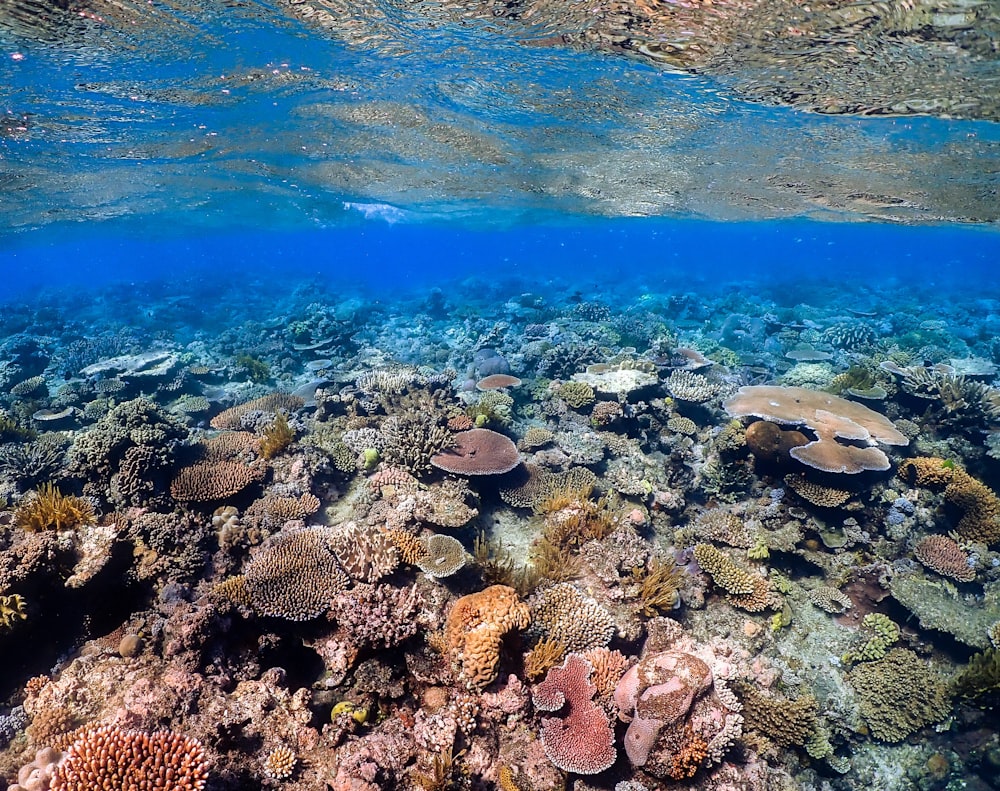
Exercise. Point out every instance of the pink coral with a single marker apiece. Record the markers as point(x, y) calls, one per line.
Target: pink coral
point(943, 555)
point(582, 741)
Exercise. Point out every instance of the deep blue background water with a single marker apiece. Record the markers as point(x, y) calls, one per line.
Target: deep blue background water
point(630, 255)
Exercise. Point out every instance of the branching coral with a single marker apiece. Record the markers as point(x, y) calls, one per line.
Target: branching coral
point(277, 437)
point(979, 682)
point(659, 587)
point(50, 509)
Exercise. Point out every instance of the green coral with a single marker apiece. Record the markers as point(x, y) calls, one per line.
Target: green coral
point(577, 394)
point(256, 368)
point(881, 633)
point(494, 407)
point(11, 610)
point(899, 694)
point(980, 681)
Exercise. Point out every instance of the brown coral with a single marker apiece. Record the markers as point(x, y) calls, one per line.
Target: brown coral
point(815, 493)
point(980, 504)
point(366, 554)
point(475, 628)
point(108, 758)
point(746, 590)
point(943, 555)
point(207, 481)
point(783, 722)
point(478, 451)
point(294, 577)
point(835, 421)
point(272, 402)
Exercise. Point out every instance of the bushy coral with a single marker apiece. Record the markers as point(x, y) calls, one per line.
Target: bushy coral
point(980, 505)
point(50, 509)
point(109, 758)
point(886, 699)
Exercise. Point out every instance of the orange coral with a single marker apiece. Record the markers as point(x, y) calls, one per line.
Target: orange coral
point(475, 628)
point(206, 481)
point(690, 756)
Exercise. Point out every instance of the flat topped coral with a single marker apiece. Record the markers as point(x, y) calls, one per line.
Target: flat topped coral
point(478, 451)
point(582, 740)
point(835, 422)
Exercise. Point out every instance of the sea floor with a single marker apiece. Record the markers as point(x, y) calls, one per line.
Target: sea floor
point(490, 536)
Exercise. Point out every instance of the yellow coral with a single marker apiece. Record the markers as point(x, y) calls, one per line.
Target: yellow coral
point(50, 509)
point(11, 609)
point(276, 437)
point(980, 521)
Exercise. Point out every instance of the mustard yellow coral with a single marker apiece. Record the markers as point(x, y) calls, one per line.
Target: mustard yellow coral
point(50, 509)
point(11, 610)
point(746, 590)
point(980, 505)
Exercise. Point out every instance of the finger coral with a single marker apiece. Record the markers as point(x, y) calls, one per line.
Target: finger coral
point(581, 741)
point(563, 613)
point(980, 505)
point(50, 509)
point(108, 758)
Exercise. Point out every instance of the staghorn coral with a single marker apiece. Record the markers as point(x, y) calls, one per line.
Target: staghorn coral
point(563, 613)
point(412, 439)
point(830, 418)
point(582, 741)
point(536, 437)
point(208, 481)
point(411, 549)
point(685, 425)
point(475, 628)
point(232, 418)
point(364, 553)
point(659, 584)
point(944, 556)
point(50, 509)
point(109, 758)
point(35, 462)
point(885, 695)
point(980, 520)
point(272, 511)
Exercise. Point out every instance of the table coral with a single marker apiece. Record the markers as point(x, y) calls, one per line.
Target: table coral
point(581, 741)
point(835, 421)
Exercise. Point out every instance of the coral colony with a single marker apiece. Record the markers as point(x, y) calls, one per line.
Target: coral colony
point(537, 546)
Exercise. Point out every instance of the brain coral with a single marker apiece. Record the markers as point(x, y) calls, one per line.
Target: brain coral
point(475, 628)
point(108, 758)
point(295, 576)
point(886, 699)
point(582, 741)
point(830, 418)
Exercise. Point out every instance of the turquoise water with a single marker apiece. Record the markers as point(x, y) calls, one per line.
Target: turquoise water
point(257, 261)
